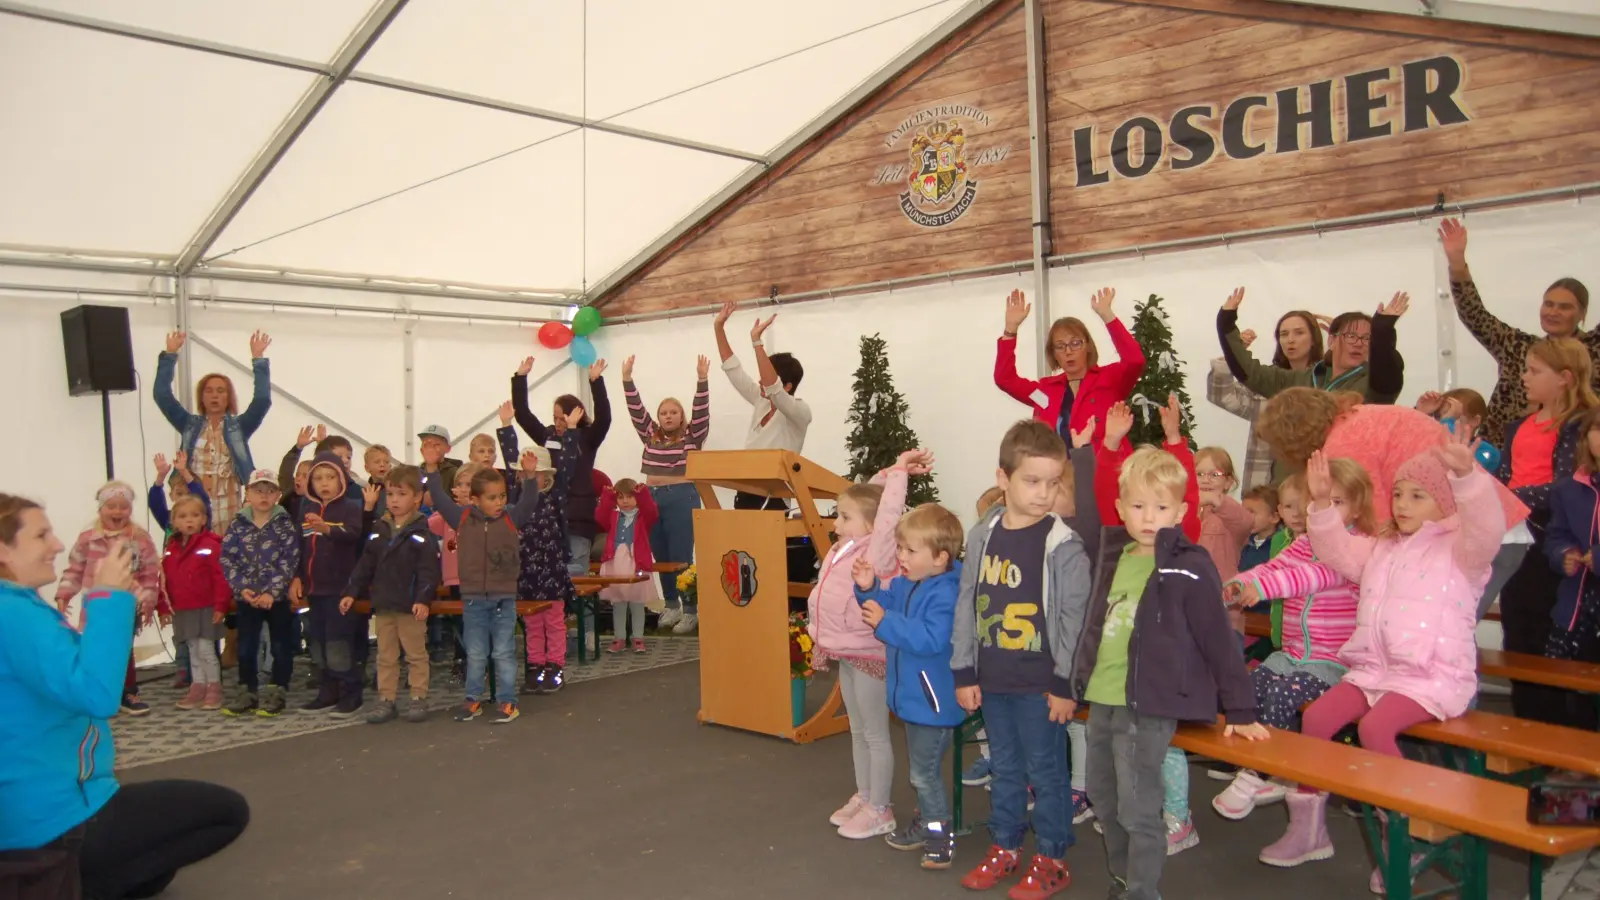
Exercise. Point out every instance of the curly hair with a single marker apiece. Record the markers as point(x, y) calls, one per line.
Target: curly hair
point(1296, 423)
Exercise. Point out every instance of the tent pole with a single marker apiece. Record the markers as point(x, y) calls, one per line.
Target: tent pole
point(409, 342)
point(180, 322)
point(1039, 179)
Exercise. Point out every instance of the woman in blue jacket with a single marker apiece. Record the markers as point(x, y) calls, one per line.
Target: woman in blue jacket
point(64, 821)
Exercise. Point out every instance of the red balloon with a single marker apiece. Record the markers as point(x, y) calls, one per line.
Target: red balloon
point(555, 335)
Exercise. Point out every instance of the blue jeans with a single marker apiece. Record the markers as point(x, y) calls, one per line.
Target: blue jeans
point(672, 537)
point(490, 623)
point(1026, 748)
point(926, 746)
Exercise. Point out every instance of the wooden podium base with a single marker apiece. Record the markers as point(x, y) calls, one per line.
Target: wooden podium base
point(828, 721)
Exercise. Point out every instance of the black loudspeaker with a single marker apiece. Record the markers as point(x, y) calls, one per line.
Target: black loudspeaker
point(99, 349)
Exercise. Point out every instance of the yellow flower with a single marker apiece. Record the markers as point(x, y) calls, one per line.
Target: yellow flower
point(805, 642)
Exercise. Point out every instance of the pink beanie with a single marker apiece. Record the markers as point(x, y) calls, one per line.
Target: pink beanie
point(1428, 470)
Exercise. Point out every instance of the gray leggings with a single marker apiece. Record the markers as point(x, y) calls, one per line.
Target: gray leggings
point(203, 665)
point(619, 619)
point(1506, 563)
point(866, 699)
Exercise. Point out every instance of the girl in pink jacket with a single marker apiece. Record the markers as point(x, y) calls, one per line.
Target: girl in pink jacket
point(1413, 656)
point(865, 521)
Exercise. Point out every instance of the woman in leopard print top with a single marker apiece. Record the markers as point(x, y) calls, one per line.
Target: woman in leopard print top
point(1565, 305)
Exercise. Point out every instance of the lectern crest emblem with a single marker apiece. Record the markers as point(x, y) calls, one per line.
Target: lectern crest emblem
point(739, 577)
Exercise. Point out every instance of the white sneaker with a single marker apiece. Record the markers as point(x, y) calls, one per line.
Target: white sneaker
point(687, 624)
point(847, 812)
point(1180, 835)
point(670, 616)
point(1247, 791)
point(868, 822)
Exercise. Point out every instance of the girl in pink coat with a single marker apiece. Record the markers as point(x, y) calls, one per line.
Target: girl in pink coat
point(1413, 656)
point(865, 522)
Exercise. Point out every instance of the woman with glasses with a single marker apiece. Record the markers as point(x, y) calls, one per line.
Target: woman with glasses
point(1362, 357)
point(1079, 388)
point(1564, 307)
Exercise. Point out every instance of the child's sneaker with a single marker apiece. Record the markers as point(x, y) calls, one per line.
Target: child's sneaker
point(938, 846)
point(1247, 791)
point(212, 700)
point(133, 706)
point(180, 682)
point(617, 646)
point(868, 822)
point(195, 696)
point(243, 703)
point(346, 708)
point(980, 773)
point(273, 702)
point(418, 710)
point(846, 812)
point(532, 675)
point(1082, 810)
point(638, 645)
point(669, 617)
point(687, 624)
point(1180, 835)
point(1000, 865)
point(552, 680)
point(1046, 877)
point(1221, 771)
point(385, 711)
point(468, 711)
point(504, 713)
point(911, 837)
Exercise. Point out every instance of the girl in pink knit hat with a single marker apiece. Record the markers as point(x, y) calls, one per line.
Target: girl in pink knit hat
point(1413, 656)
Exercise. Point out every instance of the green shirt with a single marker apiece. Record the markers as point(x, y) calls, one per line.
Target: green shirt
point(1108, 683)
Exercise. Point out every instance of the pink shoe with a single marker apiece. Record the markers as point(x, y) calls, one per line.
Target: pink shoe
point(1307, 837)
point(195, 697)
point(616, 646)
point(1247, 791)
point(213, 696)
point(868, 822)
point(847, 812)
point(638, 645)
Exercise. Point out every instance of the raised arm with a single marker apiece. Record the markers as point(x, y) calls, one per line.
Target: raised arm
point(441, 501)
point(700, 413)
point(261, 385)
point(1489, 331)
point(1347, 553)
point(1023, 390)
point(882, 548)
point(528, 502)
point(1386, 369)
point(161, 388)
point(1265, 381)
point(1125, 372)
point(605, 510)
point(1478, 508)
point(80, 671)
point(600, 412)
point(156, 500)
point(519, 403)
point(643, 425)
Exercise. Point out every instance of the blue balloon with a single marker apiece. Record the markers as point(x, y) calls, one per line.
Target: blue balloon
point(1488, 456)
point(582, 351)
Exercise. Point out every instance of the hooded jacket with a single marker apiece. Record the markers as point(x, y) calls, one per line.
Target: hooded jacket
point(918, 619)
point(1065, 601)
point(399, 568)
point(1574, 525)
point(193, 569)
point(833, 617)
point(261, 559)
point(58, 688)
point(1182, 656)
point(326, 560)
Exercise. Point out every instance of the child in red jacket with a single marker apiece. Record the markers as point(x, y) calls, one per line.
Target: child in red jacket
point(626, 513)
point(200, 598)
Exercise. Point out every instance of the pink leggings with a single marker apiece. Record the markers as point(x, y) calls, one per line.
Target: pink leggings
point(1380, 723)
point(547, 636)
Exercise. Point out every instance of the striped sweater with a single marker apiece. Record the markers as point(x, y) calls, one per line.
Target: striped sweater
point(665, 455)
point(1319, 604)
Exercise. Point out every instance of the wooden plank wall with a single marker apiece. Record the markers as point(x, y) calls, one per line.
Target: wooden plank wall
point(823, 223)
point(1532, 120)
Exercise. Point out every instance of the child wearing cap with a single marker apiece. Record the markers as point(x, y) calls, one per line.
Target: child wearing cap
point(435, 443)
point(260, 553)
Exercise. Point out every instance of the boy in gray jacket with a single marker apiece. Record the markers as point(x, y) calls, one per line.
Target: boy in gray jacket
point(1024, 594)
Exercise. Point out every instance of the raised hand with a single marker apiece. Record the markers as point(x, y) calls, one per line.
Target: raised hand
point(1247, 336)
point(175, 340)
point(115, 570)
point(861, 571)
point(259, 342)
point(526, 367)
point(1017, 309)
point(1453, 236)
point(576, 416)
point(1457, 453)
point(163, 468)
point(1324, 322)
point(322, 433)
point(725, 313)
point(1172, 419)
point(1082, 438)
point(1234, 299)
point(1430, 402)
point(1101, 303)
point(1319, 479)
point(304, 438)
point(627, 369)
point(181, 463)
point(369, 495)
point(528, 464)
point(703, 367)
point(916, 462)
point(1397, 305)
point(596, 369)
point(1119, 421)
point(760, 327)
point(507, 413)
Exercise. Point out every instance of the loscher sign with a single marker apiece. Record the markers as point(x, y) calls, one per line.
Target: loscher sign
point(1429, 91)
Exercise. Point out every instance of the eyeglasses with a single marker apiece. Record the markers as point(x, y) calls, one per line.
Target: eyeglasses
point(1357, 339)
point(1211, 475)
point(1067, 345)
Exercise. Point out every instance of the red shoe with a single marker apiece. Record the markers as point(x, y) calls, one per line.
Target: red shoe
point(1045, 878)
point(1000, 865)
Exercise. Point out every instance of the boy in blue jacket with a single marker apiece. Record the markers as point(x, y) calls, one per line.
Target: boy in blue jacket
point(914, 616)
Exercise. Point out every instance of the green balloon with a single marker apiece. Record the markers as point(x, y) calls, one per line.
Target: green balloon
point(587, 321)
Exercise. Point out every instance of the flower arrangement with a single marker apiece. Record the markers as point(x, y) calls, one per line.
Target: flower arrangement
point(799, 647)
point(688, 586)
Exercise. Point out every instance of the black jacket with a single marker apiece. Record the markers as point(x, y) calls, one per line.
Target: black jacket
point(581, 497)
point(400, 567)
point(1183, 653)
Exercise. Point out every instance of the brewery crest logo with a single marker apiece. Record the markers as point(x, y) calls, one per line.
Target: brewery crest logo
point(937, 178)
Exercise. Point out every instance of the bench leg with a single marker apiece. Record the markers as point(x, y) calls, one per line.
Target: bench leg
point(964, 735)
point(1536, 866)
point(1397, 858)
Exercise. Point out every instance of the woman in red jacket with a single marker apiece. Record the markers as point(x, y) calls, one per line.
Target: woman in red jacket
point(1079, 388)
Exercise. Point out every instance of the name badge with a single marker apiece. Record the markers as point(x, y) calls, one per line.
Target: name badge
point(1040, 399)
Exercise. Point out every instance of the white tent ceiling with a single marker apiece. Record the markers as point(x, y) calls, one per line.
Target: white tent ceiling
point(455, 151)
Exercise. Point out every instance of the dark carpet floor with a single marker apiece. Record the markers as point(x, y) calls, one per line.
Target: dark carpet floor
point(611, 789)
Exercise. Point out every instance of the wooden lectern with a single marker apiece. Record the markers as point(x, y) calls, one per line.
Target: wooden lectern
point(742, 561)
